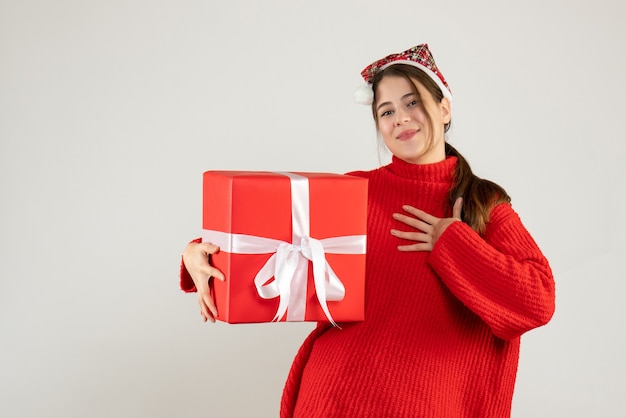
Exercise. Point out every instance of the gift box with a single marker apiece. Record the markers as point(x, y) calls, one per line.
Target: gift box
point(292, 245)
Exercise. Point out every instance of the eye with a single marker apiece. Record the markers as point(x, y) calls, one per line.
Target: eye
point(386, 113)
point(412, 103)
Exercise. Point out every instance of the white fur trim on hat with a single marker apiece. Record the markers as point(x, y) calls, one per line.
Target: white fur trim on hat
point(364, 94)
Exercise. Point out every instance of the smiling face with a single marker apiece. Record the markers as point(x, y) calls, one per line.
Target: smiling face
point(410, 121)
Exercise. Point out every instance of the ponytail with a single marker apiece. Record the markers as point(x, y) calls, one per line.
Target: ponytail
point(479, 195)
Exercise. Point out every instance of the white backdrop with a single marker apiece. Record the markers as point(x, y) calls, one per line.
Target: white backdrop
point(110, 112)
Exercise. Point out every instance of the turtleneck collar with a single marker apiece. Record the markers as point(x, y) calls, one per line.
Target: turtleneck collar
point(436, 172)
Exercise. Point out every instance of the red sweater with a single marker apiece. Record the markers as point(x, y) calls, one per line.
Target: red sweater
point(442, 329)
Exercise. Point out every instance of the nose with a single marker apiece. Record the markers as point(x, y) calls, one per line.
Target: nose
point(402, 116)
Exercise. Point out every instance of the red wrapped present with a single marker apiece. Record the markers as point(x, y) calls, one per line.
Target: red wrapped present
point(292, 245)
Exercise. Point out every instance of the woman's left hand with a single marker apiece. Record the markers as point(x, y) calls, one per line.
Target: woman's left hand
point(428, 227)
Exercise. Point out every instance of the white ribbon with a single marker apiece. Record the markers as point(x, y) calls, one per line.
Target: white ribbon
point(289, 261)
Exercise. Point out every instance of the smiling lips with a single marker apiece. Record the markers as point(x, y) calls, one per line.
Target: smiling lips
point(406, 135)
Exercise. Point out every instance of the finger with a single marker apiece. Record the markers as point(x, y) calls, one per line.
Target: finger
point(203, 315)
point(210, 304)
point(209, 248)
point(411, 236)
point(201, 276)
point(213, 272)
point(201, 272)
point(423, 246)
point(204, 310)
point(207, 306)
point(457, 208)
point(413, 222)
point(427, 217)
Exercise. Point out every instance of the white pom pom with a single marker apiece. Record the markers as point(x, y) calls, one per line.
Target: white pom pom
point(364, 94)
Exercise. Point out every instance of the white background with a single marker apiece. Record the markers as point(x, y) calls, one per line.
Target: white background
point(110, 111)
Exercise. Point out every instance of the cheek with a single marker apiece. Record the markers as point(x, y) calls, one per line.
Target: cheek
point(385, 129)
point(419, 115)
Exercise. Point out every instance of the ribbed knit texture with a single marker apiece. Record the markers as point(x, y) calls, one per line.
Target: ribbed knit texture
point(441, 331)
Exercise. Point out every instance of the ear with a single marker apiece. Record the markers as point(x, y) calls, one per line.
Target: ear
point(446, 111)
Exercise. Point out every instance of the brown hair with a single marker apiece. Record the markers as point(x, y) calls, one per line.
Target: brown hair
point(479, 195)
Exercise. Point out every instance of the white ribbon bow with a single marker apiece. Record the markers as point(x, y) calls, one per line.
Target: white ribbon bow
point(289, 261)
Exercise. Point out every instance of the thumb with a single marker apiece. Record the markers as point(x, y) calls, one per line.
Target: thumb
point(217, 274)
point(457, 208)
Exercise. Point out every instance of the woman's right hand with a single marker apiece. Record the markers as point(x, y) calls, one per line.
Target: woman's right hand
point(196, 259)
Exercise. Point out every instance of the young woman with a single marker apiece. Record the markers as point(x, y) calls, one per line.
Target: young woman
point(453, 277)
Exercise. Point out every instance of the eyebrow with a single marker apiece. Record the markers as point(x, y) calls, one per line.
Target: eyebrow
point(388, 103)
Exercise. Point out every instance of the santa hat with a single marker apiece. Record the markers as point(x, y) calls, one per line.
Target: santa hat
point(419, 56)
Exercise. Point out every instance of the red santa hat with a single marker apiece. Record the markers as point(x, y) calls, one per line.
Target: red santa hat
point(419, 56)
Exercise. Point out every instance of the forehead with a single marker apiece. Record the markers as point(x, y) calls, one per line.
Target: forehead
point(395, 86)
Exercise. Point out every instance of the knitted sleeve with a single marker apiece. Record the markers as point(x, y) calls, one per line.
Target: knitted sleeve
point(504, 278)
point(186, 282)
